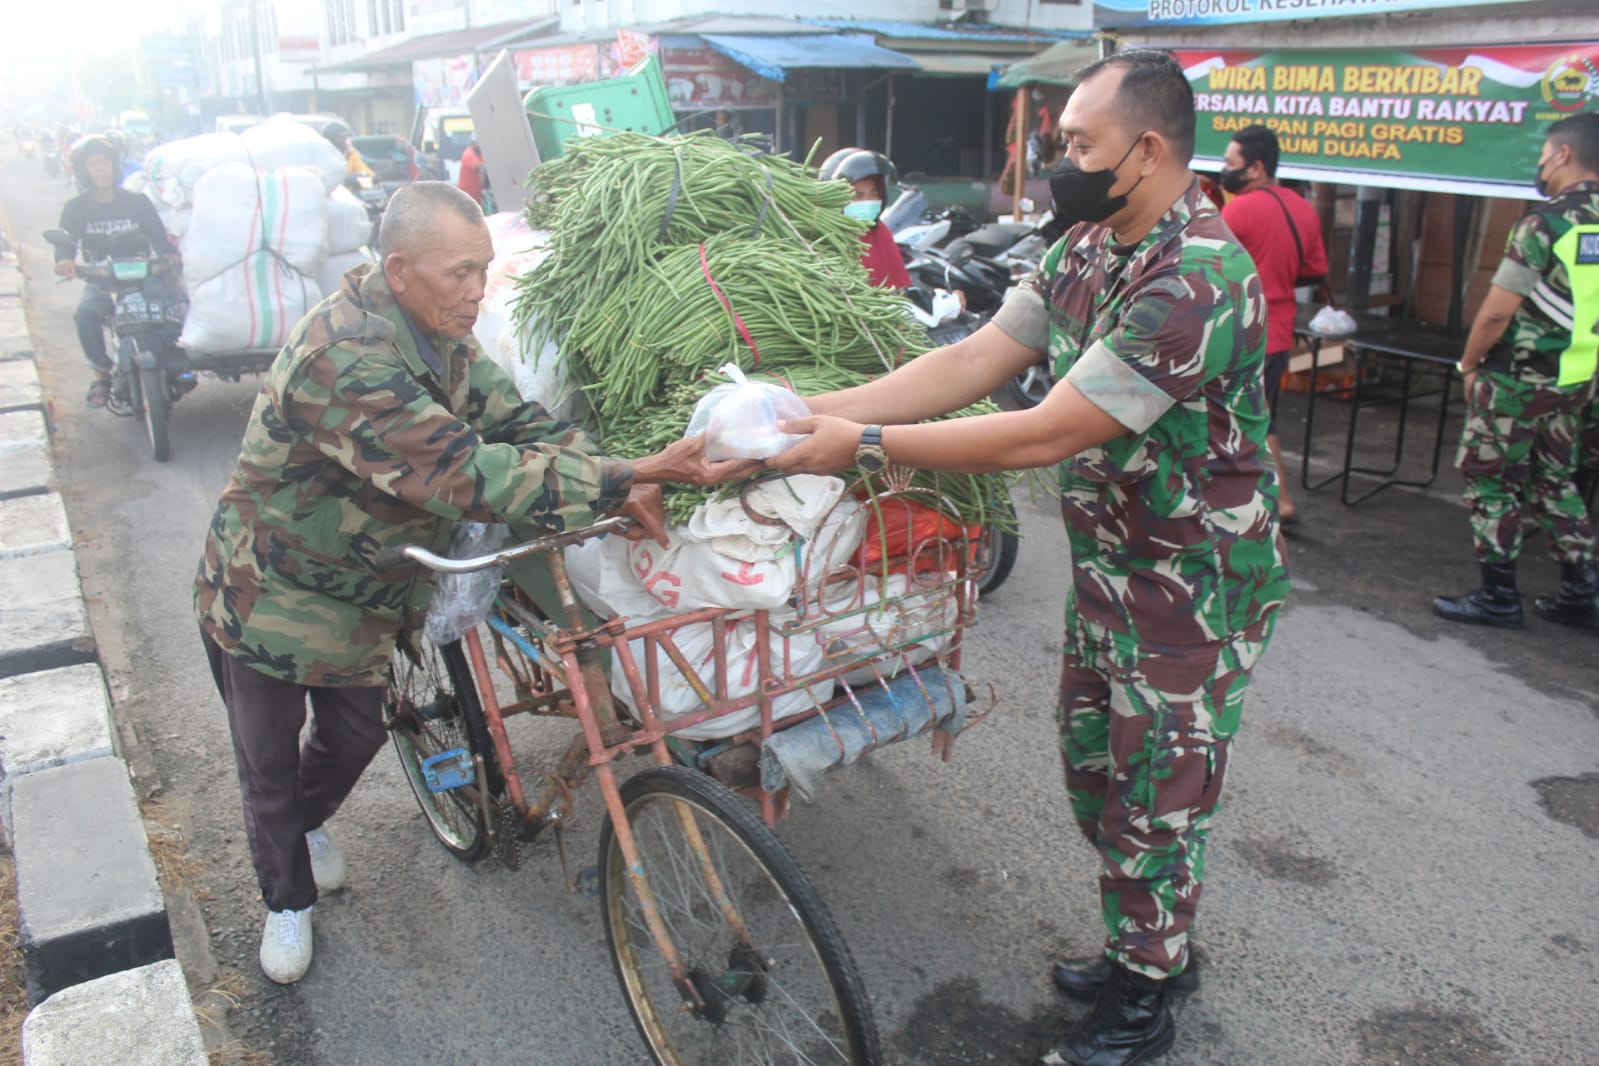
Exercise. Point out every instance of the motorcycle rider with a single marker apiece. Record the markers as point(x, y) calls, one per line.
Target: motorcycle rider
point(342, 137)
point(94, 220)
point(868, 174)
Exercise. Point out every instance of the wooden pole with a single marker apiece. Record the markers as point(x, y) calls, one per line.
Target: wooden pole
point(1021, 150)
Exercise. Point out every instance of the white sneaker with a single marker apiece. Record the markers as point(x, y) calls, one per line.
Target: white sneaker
point(286, 945)
point(327, 860)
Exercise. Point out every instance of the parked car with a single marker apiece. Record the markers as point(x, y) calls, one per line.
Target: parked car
point(440, 135)
point(237, 123)
point(392, 158)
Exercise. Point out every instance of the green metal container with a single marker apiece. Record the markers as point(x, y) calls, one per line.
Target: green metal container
point(636, 102)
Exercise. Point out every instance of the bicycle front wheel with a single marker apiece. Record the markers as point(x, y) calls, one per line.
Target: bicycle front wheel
point(432, 710)
point(775, 981)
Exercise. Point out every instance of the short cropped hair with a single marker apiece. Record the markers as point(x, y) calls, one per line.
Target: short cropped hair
point(1580, 133)
point(412, 212)
point(1258, 144)
point(1154, 95)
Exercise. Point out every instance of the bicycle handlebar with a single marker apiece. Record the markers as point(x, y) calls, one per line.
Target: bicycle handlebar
point(390, 557)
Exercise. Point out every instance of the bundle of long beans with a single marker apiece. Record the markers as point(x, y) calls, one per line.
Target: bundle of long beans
point(673, 255)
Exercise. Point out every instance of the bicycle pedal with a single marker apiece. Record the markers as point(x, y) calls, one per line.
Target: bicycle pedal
point(448, 770)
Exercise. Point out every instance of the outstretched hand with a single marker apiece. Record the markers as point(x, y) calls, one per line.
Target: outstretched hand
point(829, 445)
point(683, 462)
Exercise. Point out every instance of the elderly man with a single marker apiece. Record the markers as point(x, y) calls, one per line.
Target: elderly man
point(380, 423)
point(1156, 322)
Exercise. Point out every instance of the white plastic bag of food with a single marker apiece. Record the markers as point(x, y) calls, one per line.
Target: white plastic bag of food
point(739, 419)
point(1333, 322)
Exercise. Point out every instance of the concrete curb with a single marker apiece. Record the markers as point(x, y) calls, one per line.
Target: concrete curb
point(96, 937)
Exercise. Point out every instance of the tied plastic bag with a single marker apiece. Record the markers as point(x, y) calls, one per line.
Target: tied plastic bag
point(1332, 322)
point(461, 601)
point(739, 419)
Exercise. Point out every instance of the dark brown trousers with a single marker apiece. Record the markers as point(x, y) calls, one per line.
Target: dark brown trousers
point(289, 790)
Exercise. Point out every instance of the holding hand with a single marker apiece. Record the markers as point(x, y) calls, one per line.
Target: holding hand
point(645, 506)
point(828, 448)
point(684, 463)
point(67, 268)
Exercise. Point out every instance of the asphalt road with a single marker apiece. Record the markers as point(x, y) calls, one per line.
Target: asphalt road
point(1403, 872)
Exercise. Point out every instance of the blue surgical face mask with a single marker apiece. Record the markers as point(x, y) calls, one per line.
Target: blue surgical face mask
point(865, 210)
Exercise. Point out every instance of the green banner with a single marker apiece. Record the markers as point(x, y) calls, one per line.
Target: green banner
point(1462, 119)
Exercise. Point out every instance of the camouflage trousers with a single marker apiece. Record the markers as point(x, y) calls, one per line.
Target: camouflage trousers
point(1518, 451)
point(1144, 735)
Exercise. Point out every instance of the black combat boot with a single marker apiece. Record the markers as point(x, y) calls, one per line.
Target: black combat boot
point(1130, 1024)
point(1081, 979)
point(1497, 603)
point(1577, 603)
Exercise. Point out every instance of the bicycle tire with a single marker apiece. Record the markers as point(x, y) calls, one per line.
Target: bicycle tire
point(1003, 549)
point(157, 410)
point(741, 1007)
point(440, 680)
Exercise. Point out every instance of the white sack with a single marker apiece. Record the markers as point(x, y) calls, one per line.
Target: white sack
point(173, 168)
point(538, 375)
point(283, 142)
point(238, 212)
point(725, 558)
point(919, 622)
point(697, 643)
point(251, 305)
point(330, 279)
point(349, 226)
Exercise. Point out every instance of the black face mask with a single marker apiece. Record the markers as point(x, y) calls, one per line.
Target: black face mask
point(1084, 195)
point(1232, 179)
point(1540, 182)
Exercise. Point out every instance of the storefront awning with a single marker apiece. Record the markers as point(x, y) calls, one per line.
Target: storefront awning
point(452, 43)
point(1055, 65)
point(773, 57)
point(956, 64)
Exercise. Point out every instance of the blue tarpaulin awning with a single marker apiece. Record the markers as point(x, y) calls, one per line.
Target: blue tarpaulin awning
point(773, 57)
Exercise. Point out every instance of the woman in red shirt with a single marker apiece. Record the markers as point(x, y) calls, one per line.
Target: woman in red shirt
point(869, 173)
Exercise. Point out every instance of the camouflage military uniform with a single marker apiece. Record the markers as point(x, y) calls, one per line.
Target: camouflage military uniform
point(1177, 566)
point(355, 445)
point(1518, 447)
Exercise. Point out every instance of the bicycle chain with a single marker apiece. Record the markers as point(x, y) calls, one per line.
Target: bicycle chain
point(507, 848)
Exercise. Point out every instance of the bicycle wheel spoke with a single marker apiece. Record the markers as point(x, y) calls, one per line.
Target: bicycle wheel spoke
point(772, 981)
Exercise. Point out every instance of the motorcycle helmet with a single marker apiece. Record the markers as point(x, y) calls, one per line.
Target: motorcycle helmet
point(853, 164)
point(94, 143)
point(338, 133)
point(118, 139)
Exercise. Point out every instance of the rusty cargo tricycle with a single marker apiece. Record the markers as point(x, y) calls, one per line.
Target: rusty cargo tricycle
point(724, 951)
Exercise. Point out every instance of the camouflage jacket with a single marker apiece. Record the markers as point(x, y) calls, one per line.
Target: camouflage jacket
point(1173, 526)
point(354, 446)
point(1538, 266)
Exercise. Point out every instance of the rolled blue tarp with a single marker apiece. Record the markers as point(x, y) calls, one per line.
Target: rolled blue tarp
point(910, 704)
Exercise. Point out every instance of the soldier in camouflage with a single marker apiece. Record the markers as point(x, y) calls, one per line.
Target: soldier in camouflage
point(1529, 369)
point(379, 424)
point(1156, 323)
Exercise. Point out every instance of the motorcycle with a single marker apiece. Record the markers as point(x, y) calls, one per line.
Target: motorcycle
point(371, 193)
point(947, 321)
point(982, 265)
point(149, 371)
point(52, 157)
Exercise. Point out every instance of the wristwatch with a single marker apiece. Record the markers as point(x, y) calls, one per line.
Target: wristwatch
point(870, 456)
